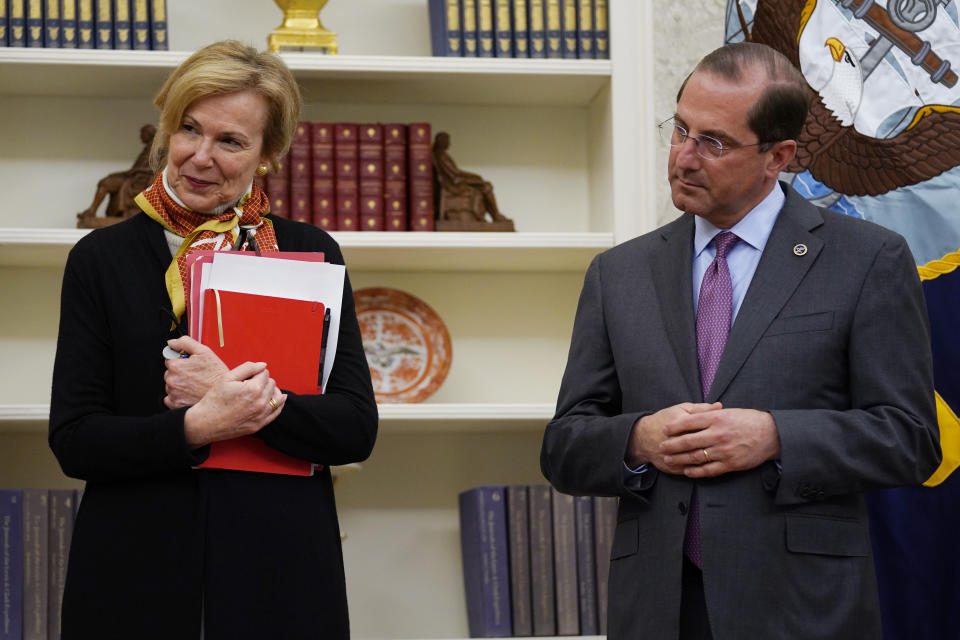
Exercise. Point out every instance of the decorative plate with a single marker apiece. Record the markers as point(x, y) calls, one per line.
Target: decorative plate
point(407, 345)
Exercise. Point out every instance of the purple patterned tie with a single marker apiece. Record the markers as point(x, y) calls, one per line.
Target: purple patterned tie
point(714, 311)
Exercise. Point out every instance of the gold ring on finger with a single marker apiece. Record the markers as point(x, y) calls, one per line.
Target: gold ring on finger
point(274, 406)
point(706, 456)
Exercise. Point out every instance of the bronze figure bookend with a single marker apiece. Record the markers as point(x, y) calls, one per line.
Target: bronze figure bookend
point(122, 187)
point(464, 198)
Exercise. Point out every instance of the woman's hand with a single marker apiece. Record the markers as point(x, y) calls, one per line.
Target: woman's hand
point(188, 379)
point(237, 404)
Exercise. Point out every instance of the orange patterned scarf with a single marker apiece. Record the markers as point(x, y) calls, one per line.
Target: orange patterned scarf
point(202, 231)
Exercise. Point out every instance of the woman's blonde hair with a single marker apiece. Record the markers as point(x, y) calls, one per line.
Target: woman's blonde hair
point(227, 67)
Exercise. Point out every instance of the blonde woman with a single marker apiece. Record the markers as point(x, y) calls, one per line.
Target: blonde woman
point(160, 549)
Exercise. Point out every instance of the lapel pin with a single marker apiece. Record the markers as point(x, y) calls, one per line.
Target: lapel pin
point(800, 249)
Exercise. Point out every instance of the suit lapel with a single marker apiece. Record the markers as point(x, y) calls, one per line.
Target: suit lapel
point(672, 273)
point(778, 274)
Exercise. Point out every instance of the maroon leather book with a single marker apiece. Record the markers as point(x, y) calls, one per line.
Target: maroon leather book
point(395, 177)
point(301, 200)
point(278, 188)
point(420, 159)
point(322, 165)
point(346, 152)
point(371, 177)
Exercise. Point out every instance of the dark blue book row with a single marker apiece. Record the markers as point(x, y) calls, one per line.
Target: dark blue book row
point(520, 28)
point(36, 526)
point(84, 24)
point(535, 561)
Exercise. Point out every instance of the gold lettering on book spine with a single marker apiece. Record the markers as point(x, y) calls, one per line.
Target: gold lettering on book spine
point(453, 24)
point(470, 26)
point(159, 16)
point(68, 16)
point(569, 24)
point(85, 16)
point(586, 25)
point(553, 25)
point(503, 18)
point(122, 16)
point(600, 25)
point(140, 19)
point(53, 14)
point(103, 17)
point(35, 12)
point(486, 25)
point(520, 25)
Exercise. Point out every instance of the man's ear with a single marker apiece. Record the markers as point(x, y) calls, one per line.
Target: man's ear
point(780, 155)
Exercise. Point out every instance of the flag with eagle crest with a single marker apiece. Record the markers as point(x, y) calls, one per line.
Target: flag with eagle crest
point(882, 142)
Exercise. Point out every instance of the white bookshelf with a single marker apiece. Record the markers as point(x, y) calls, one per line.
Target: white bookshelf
point(411, 251)
point(488, 81)
point(421, 418)
point(567, 146)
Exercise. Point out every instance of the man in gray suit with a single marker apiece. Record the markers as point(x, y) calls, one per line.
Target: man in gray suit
point(739, 378)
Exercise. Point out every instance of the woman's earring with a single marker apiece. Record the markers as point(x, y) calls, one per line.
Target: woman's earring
point(262, 170)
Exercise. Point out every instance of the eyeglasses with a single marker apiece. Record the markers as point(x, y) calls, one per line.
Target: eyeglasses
point(707, 147)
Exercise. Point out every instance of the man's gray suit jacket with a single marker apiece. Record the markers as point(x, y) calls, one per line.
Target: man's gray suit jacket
point(832, 339)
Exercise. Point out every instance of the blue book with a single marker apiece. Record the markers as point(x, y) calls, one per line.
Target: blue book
point(86, 37)
point(4, 23)
point(537, 19)
point(601, 33)
point(553, 27)
point(518, 528)
point(140, 14)
point(485, 47)
point(486, 579)
point(158, 25)
point(61, 531)
point(503, 28)
point(35, 23)
point(446, 36)
point(542, 581)
point(520, 29)
point(51, 23)
point(11, 564)
point(585, 35)
point(586, 565)
point(17, 23)
point(565, 564)
point(103, 18)
point(468, 24)
point(568, 28)
point(68, 24)
point(122, 25)
point(36, 533)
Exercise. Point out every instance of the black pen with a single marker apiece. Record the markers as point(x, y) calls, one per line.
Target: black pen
point(323, 346)
point(169, 353)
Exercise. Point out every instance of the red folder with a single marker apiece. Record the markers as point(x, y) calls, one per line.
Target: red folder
point(287, 335)
point(195, 261)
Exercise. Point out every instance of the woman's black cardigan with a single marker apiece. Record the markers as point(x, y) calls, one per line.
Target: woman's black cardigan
point(156, 542)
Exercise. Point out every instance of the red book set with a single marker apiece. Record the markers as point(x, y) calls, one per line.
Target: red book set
point(343, 176)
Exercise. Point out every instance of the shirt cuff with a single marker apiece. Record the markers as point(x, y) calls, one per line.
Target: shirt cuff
point(634, 471)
